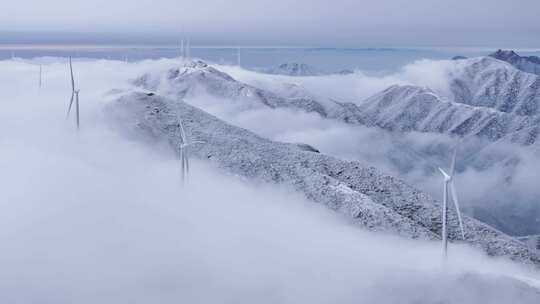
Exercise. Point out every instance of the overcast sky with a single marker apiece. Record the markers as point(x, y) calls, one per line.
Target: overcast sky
point(345, 23)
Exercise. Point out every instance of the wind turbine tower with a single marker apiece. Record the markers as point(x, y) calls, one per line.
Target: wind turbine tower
point(188, 49)
point(449, 187)
point(182, 51)
point(185, 144)
point(238, 61)
point(40, 75)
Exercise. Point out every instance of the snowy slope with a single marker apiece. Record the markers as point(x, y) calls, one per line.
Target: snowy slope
point(370, 198)
point(197, 77)
point(487, 97)
point(492, 83)
point(411, 108)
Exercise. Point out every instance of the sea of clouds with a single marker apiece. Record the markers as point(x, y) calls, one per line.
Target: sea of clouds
point(495, 182)
point(95, 217)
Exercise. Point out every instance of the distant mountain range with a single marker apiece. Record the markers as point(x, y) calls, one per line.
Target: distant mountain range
point(294, 69)
point(301, 69)
point(487, 99)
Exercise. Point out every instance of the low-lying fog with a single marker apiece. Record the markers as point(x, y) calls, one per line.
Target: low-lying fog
point(94, 217)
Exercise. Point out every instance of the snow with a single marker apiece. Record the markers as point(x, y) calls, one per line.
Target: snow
point(397, 110)
point(470, 108)
point(371, 199)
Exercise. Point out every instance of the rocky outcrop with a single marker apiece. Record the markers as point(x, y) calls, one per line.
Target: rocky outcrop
point(529, 64)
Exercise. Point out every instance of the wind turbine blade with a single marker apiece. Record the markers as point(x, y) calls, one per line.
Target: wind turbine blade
point(446, 176)
point(453, 165)
point(70, 104)
point(456, 203)
point(72, 78)
point(72, 87)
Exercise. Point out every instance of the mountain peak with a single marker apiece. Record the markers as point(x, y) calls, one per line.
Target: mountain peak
point(504, 54)
point(196, 64)
point(530, 64)
point(294, 69)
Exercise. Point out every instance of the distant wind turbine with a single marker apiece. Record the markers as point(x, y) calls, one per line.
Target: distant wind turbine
point(449, 185)
point(238, 61)
point(74, 95)
point(188, 49)
point(40, 75)
point(182, 51)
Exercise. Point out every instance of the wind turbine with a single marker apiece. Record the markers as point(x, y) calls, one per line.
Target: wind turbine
point(74, 95)
point(184, 153)
point(449, 185)
point(40, 77)
point(188, 49)
point(238, 57)
point(182, 51)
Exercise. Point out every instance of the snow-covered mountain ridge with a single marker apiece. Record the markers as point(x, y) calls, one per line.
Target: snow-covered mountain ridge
point(397, 109)
point(488, 98)
point(492, 83)
point(371, 199)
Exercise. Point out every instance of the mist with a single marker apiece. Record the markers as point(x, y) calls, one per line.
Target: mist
point(502, 194)
point(98, 217)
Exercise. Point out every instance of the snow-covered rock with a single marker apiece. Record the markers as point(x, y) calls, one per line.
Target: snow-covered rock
point(533, 241)
point(294, 69)
point(302, 69)
point(371, 199)
point(529, 64)
point(346, 72)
